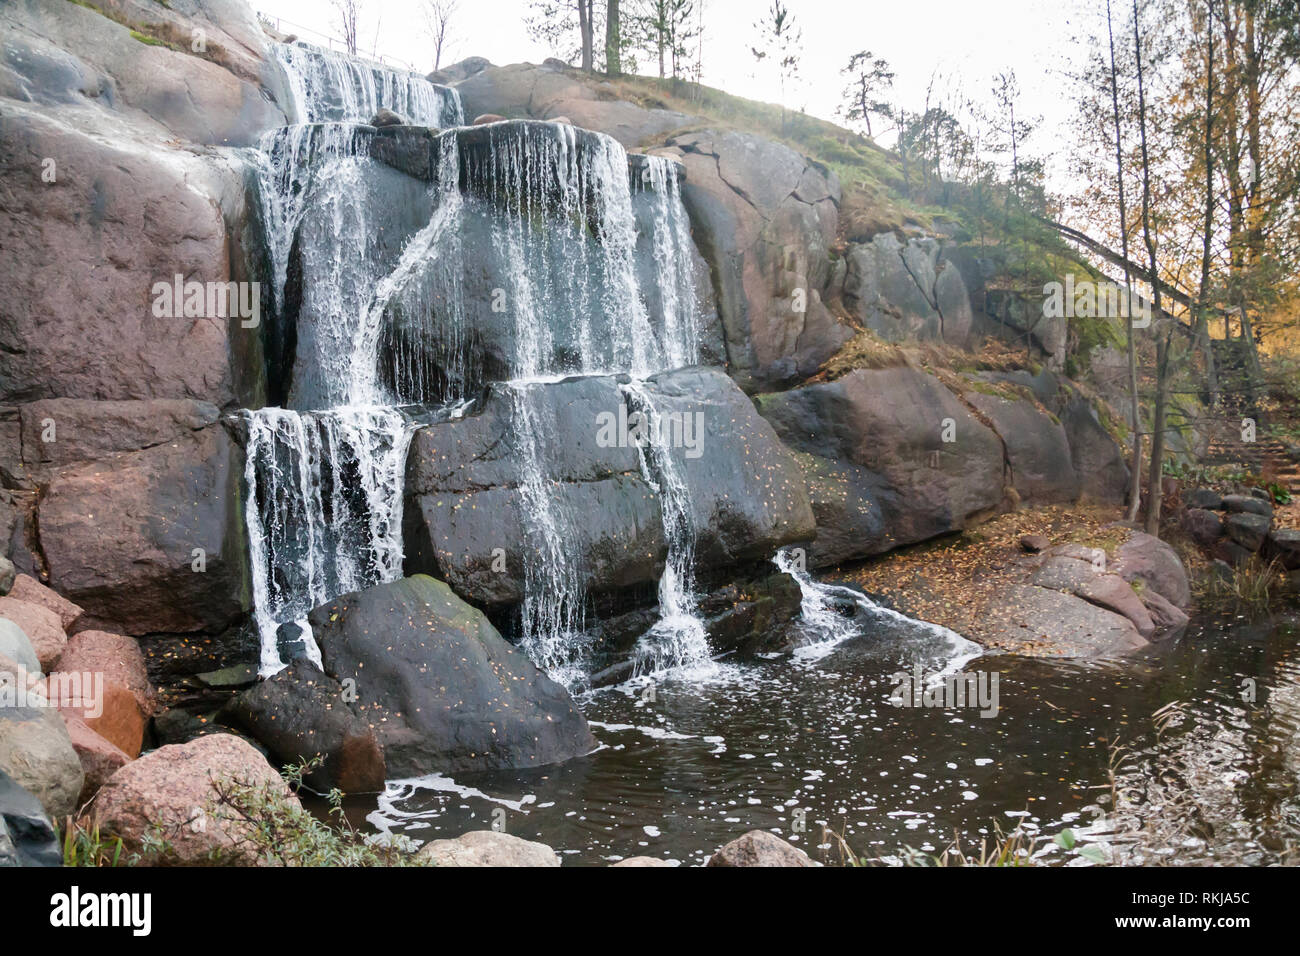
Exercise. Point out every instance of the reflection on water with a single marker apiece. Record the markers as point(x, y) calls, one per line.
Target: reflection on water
point(811, 741)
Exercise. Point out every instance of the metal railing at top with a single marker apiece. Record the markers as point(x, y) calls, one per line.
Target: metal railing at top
point(333, 43)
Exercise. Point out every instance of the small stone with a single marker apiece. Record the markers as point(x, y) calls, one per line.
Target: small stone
point(1204, 498)
point(1247, 504)
point(760, 848)
point(1247, 529)
point(487, 848)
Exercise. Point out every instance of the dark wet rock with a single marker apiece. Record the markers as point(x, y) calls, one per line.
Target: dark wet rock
point(760, 848)
point(1099, 461)
point(7, 575)
point(293, 642)
point(1247, 504)
point(1230, 553)
point(1247, 529)
point(1152, 561)
point(1205, 498)
point(441, 688)
point(871, 447)
point(151, 541)
point(300, 714)
point(1204, 526)
point(26, 836)
point(386, 117)
point(468, 521)
point(1284, 543)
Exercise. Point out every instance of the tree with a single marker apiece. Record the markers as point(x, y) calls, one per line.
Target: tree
point(1135, 411)
point(438, 15)
point(869, 77)
point(665, 31)
point(348, 12)
point(778, 41)
point(613, 39)
point(553, 22)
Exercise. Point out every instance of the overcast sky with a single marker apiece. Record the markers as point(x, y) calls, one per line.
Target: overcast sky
point(967, 42)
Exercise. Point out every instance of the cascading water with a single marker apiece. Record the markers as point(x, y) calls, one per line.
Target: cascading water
point(677, 639)
point(325, 477)
point(672, 244)
point(332, 86)
point(324, 509)
point(827, 627)
point(583, 183)
point(553, 612)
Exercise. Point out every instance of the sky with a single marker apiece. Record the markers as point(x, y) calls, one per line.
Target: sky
point(962, 44)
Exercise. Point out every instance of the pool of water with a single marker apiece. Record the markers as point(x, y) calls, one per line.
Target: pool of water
point(1192, 751)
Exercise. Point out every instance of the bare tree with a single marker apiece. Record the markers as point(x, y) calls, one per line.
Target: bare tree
point(438, 15)
point(349, 12)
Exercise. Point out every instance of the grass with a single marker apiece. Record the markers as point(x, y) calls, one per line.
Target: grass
point(1250, 587)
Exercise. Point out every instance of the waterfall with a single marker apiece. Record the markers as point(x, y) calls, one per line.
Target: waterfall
point(818, 601)
point(552, 211)
point(553, 612)
point(324, 478)
point(677, 639)
point(672, 245)
point(328, 86)
point(324, 508)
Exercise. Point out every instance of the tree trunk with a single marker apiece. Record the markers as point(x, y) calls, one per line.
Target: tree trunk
point(613, 41)
point(1135, 415)
point(1202, 318)
point(1154, 475)
point(586, 28)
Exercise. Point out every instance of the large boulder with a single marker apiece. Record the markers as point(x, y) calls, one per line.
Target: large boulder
point(1057, 623)
point(152, 541)
point(1153, 562)
point(1107, 591)
point(907, 291)
point(439, 685)
point(26, 836)
point(26, 588)
point(41, 626)
point(1042, 470)
point(487, 848)
point(470, 519)
point(760, 848)
point(174, 794)
point(764, 218)
point(880, 473)
point(86, 251)
point(128, 699)
point(100, 758)
point(35, 749)
point(300, 714)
